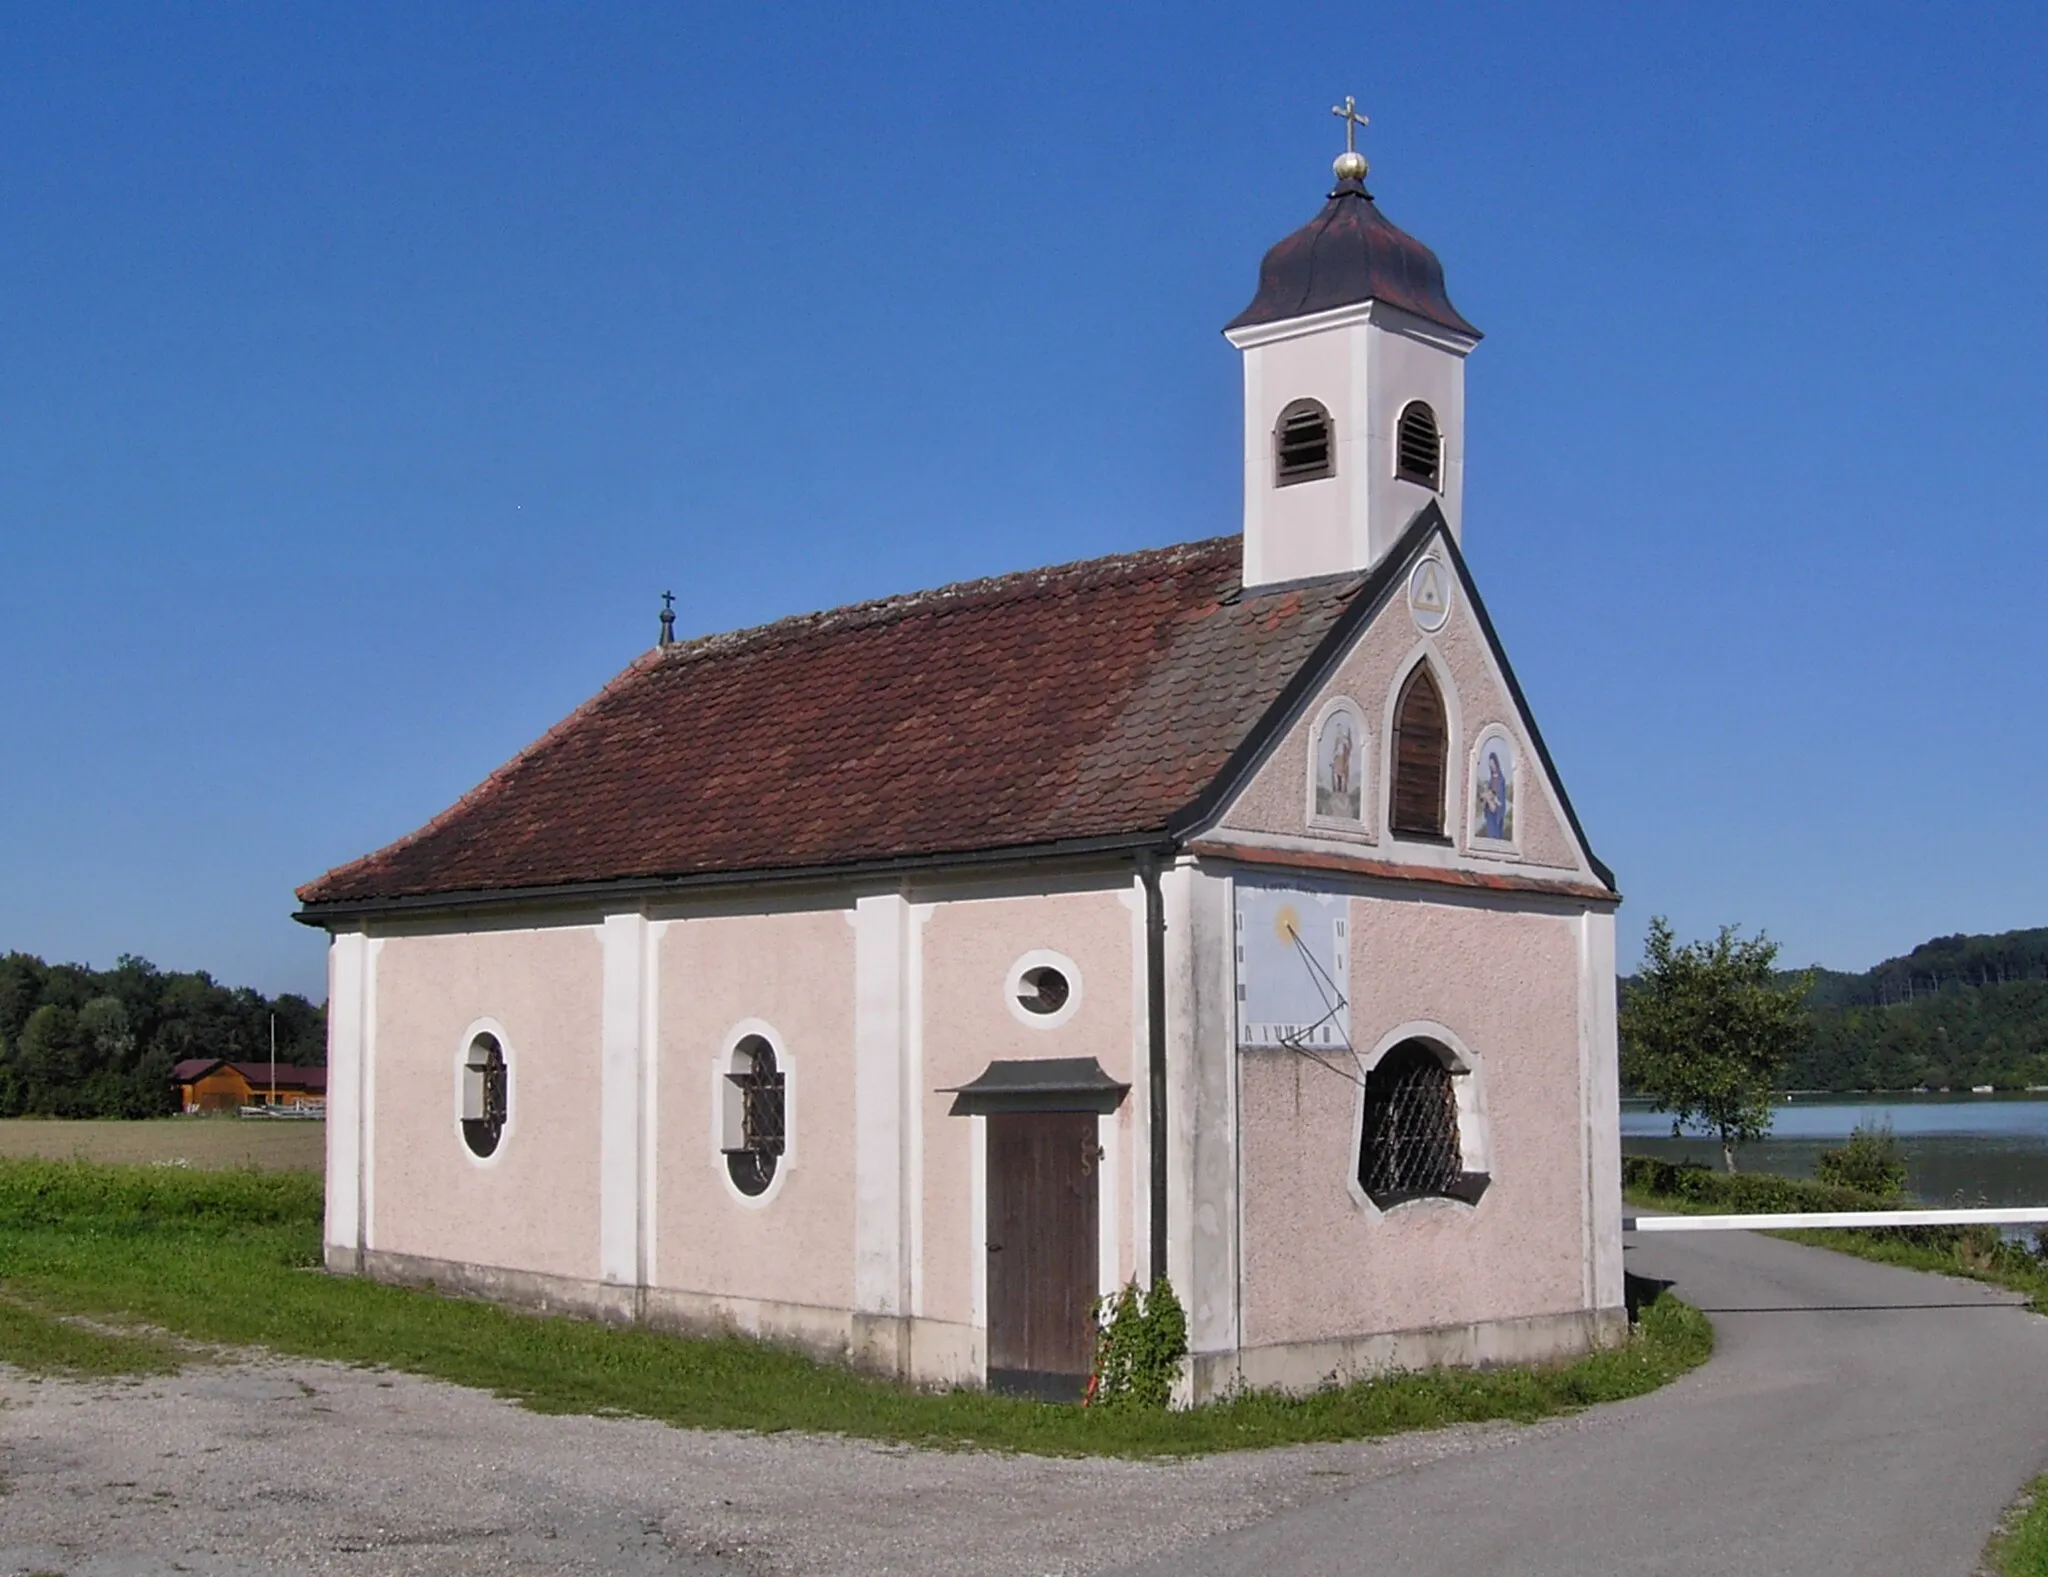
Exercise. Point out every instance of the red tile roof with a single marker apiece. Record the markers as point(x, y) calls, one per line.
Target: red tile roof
point(1084, 701)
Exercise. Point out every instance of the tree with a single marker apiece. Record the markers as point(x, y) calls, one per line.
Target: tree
point(80, 1042)
point(1708, 1030)
point(48, 1057)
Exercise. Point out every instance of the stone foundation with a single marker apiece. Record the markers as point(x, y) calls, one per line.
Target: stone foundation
point(940, 1354)
point(915, 1351)
point(1311, 1366)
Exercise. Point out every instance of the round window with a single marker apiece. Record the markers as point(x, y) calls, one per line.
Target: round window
point(1043, 990)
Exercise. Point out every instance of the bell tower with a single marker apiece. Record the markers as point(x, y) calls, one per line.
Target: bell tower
point(1354, 388)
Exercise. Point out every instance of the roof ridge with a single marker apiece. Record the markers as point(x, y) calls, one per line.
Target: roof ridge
point(908, 604)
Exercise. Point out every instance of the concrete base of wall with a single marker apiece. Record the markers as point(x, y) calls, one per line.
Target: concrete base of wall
point(915, 1351)
point(1310, 1366)
point(938, 1353)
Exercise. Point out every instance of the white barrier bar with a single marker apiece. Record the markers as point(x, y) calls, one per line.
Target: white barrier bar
point(2020, 1216)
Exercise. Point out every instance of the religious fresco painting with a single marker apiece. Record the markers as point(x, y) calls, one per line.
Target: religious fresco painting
point(1340, 764)
point(1429, 595)
point(1493, 790)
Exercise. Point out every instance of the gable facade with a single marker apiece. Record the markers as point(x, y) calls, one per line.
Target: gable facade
point(1278, 808)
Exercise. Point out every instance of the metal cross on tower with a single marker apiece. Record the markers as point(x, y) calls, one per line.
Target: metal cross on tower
point(1350, 164)
point(1348, 113)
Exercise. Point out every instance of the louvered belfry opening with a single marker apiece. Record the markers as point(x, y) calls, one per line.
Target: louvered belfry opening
point(1418, 447)
point(1304, 444)
point(1421, 742)
point(1409, 1146)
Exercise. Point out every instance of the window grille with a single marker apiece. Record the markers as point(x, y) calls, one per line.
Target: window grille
point(1418, 448)
point(755, 1133)
point(1421, 743)
point(1304, 449)
point(485, 1093)
point(1409, 1146)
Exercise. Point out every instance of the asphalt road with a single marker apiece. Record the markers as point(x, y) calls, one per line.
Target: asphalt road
point(1854, 1419)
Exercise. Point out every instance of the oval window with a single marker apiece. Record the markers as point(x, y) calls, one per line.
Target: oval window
point(485, 1095)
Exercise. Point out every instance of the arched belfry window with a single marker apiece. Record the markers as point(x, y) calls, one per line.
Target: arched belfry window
point(1421, 745)
point(1304, 444)
point(1419, 447)
point(1409, 1146)
point(753, 1128)
point(486, 1095)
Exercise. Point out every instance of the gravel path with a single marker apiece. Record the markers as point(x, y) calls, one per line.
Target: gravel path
point(271, 1466)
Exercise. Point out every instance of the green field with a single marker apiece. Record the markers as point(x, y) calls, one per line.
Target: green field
point(271, 1144)
point(132, 1269)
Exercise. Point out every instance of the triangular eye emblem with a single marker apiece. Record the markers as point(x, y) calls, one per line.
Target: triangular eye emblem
point(1429, 594)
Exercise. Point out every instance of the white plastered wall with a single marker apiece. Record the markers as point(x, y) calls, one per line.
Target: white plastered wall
point(1364, 364)
point(349, 962)
point(1203, 1215)
point(1600, 1085)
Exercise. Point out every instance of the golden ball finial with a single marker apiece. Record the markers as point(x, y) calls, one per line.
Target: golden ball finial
point(1349, 165)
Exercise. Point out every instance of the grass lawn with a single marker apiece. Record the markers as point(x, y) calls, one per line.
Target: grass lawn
point(269, 1143)
point(230, 1258)
point(2020, 1547)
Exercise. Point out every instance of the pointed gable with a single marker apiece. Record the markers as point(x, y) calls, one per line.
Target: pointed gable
point(1328, 782)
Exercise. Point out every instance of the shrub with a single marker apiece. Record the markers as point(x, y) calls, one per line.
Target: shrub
point(1740, 1193)
point(1869, 1161)
point(1139, 1348)
point(1977, 1250)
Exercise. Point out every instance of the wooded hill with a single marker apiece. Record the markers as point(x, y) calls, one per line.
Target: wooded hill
point(78, 1042)
point(1955, 1012)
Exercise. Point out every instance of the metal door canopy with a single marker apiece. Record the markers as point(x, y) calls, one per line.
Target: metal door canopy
point(1044, 1084)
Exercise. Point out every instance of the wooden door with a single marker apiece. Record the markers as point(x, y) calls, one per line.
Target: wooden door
point(1042, 1198)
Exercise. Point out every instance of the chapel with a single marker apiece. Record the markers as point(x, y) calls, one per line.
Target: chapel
point(896, 980)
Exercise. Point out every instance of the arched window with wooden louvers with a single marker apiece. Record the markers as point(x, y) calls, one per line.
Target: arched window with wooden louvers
point(1421, 747)
point(1304, 444)
point(1419, 447)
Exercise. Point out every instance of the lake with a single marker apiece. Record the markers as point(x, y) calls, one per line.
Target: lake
point(1959, 1149)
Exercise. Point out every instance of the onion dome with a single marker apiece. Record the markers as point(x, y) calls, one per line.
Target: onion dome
point(1347, 254)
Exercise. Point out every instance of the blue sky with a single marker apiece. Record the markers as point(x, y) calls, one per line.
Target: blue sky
point(367, 372)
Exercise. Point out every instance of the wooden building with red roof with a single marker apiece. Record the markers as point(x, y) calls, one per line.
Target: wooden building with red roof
point(213, 1084)
point(899, 978)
